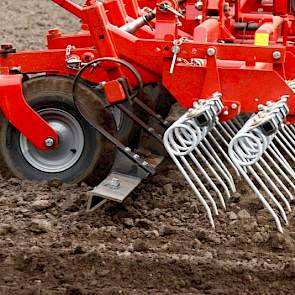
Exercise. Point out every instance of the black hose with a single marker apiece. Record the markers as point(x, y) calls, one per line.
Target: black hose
point(109, 59)
point(97, 62)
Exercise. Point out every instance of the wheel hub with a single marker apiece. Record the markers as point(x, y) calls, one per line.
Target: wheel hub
point(69, 150)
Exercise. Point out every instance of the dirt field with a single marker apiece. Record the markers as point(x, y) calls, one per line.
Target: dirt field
point(158, 242)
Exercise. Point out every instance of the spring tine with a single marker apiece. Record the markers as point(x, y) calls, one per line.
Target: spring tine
point(284, 145)
point(269, 193)
point(238, 123)
point(233, 127)
point(289, 131)
point(224, 154)
point(261, 198)
point(287, 136)
point(230, 131)
point(277, 179)
point(194, 188)
point(252, 143)
point(275, 176)
point(275, 188)
point(292, 127)
point(213, 171)
point(281, 171)
point(200, 183)
point(248, 147)
point(210, 152)
point(182, 140)
point(208, 178)
point(226, 133)
point(278, 155)
point(199, 166)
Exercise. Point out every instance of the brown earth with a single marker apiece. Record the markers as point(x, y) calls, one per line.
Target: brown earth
point(158, 242)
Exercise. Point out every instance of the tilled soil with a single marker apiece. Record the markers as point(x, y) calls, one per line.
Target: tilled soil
point(159, 241)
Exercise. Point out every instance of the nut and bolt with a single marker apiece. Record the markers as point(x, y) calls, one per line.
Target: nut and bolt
point(114, 183)
point(127, 149)
point(199, 5)
point(234, 106)
point(276, 55)
point(6, 46)
point(211, 51)
point(49, 142)
point(199, 18)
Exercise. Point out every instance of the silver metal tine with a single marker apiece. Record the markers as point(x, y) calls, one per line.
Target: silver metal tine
point(229, 129)
point(248, 148)
point(213, 171)
point(185, 141)
point(221, 150)
point(285, 146)
point(277, 190)
point(277, 179)
point(269, 193)
point(278, 155)
point(200, 183)
point(289, 131)
point(210, 153)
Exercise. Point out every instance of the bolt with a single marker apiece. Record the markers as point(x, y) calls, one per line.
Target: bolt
point(114, 183)
point(277, 55)
point(226, 7)
point(136, 157)
point(54, 33)
point(199, 5)
point(260, 107)
point(211, 51)
point(199, 17)
point(234, 106)
point(225, 113)
point(127, 149)
point(49, 142)
point(6, 46)
point(285, 98)
point(145, 163)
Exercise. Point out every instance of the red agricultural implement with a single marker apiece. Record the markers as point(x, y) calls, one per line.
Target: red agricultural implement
point(75, 111)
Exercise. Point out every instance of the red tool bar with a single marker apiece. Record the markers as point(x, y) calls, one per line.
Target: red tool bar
point(70, 6)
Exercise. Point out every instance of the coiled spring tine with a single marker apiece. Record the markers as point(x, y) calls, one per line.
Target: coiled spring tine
point(252, 144)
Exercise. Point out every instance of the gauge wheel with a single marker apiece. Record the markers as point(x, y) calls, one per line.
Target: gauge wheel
point(82, 154)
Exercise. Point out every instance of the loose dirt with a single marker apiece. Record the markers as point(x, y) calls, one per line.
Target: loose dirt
point(157, 242)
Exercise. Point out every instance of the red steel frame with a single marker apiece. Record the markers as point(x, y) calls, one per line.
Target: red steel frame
point(247, 75)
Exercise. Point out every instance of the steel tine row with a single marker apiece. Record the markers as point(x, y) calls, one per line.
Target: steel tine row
point(195, 151)
point(253, 150)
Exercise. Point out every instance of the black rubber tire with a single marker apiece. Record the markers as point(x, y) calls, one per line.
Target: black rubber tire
point(54, 91)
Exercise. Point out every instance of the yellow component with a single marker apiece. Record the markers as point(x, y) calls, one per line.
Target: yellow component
point(261, 39)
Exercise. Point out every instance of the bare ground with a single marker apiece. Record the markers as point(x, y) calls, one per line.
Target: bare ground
point(159, 241)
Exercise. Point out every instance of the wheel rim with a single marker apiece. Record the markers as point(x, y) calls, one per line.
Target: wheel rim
point(71, 143)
